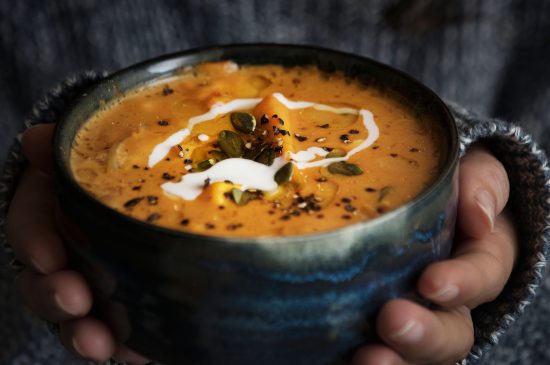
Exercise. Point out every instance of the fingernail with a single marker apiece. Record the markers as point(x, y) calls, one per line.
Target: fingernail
point(487, 204)
point(445, 294)
point(36, 266)
point(410, 333)
point(77, 347)
point(62, 305)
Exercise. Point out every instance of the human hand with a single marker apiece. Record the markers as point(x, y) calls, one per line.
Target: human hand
point(481, 262)
point(51, 290)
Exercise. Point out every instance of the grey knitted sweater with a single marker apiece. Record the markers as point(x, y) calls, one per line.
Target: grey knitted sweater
point(488, 56)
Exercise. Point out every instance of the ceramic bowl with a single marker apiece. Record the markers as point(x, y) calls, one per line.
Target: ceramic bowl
point(182, 298)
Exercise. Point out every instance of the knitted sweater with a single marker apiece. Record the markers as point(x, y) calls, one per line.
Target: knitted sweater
point(488, 56)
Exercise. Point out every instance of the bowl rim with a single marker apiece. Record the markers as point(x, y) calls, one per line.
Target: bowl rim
point(62, 170)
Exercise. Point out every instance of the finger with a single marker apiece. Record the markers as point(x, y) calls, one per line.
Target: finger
point(377, 354)
point(478, 270)
point(88, 337)
point(422, 336)
point(56, 297)
point(37, 146)
point(484, 190)
point(30, 226)
point(125, 355)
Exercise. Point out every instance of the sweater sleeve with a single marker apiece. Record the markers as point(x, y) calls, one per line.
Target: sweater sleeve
point(529, 204)
point(529, 201)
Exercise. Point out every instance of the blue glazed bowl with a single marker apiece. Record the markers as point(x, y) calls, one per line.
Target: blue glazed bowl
point(182, 298)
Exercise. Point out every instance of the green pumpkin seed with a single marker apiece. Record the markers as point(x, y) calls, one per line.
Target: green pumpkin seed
point(218, 155)
point(242, 197)
point(384, 192)
point(205, 165)
point(336, 153)
point(284, 174)
point(231, 143)
point(255, 151)
point(266, 156)
point(243, 122)
point(344, 168)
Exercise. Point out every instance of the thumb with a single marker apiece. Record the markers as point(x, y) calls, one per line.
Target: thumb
point(37, 146)
point(484, 190)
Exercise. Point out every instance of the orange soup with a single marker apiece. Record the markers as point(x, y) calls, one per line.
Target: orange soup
point(256, 151)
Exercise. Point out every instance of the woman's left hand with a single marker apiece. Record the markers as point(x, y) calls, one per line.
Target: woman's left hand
point(482, 260)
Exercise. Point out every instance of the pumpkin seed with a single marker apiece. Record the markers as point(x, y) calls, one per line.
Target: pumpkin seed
point(284, 174)
point(231, 143)
point(243, 122)
point(218, 155)
point(205, 165)
point(344, 168)
point(242, 197)
point(255, 151)
point(266, 156)
point(384, 192)
point(336, 153)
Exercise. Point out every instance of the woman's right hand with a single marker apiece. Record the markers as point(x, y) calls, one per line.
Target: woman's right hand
point(46, 285)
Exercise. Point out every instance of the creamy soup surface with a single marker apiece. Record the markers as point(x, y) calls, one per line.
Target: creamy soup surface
point(256, 151)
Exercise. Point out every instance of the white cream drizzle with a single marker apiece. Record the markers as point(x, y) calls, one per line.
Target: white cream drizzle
point(203, 137)
point(309, 154)
point(162, 149)
point(247, 173)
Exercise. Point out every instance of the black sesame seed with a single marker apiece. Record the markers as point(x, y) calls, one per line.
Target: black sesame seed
point(345, 200)
point(320, 216)
point(349, 208)
point(167, 176)
point(414, 149)
point(135, 167)
point(206, 182)
point(346, 216)
point(221, 207)
point(153, 217)
point(344, 137)
point(233, 226)
point(209, 226)
point(264, 119)
point(370, 190)
point(380, 210)
point(184, 222)
point(187, 161)
point(133, 202)
point(285, 217)
point(271, 212)
point(281, 122)
point(274, 116)
point(353, 131)
point(167, 91)
point(324, 125)
point(152, 200)
point(300, 137)
point(393, 154)
point(321, 179)
point(163, 123)
point(136, 188)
